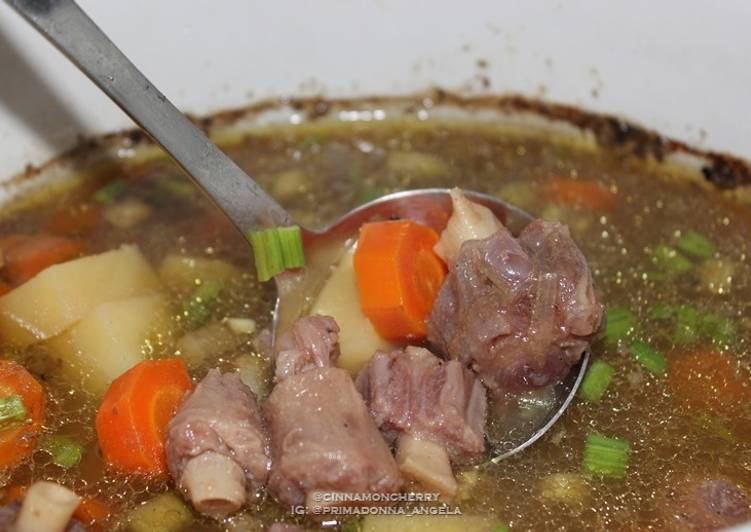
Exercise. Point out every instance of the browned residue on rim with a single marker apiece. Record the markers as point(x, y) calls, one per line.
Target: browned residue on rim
point(723, 170)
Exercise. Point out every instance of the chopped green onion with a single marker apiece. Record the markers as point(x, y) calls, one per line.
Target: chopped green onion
point(606, 456)
point(109, 193)
point(12, 410)
point(65, 451)
point(502, 527)
point(596, 381)
point(197, 310)
point(695, 245)
point(621, 322)
point(662, 311)
point(670, 259)
point(648, 357)
point(720, 329)
point(276, 250)
point(687, 325)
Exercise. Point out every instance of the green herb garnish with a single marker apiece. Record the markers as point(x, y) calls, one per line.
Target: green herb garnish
point(110, 192)
point(606, 456)
point(65, 451)
point(276, 250)
point(649, 358)
point(695, 245)
point(596, 381)
point(12, 411)
point(621, 323)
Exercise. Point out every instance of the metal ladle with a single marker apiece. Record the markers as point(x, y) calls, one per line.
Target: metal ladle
point(244, 202)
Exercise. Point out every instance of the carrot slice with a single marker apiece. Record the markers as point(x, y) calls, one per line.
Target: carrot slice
point(132, 419)
point(26, 256)
point(4, 288)
point(709, 381)
point(580, 193)
point(77, 220)
point(14, 493)
point(92, 511)
point(17, 440)
point(398, 276)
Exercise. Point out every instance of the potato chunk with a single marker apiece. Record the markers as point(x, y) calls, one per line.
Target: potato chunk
point(111, 339)
point(181, 272)
point(64, 293)
point(339, 299)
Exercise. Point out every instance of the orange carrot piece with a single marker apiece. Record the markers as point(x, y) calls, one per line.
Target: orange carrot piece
point(709, 381)
point(14, 493)
point(4, 288)
point(92, 511)
point(593, 196)
point(26, 256)
point(78, 220)
point(398, 276)
point(18, 441)
point(132, 419)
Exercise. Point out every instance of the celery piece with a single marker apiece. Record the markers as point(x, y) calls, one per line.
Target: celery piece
point(110, 192)
point(198, 308)
point(620, 323)
point(696, 245)
point(606, 456)
point(720, 329)
point(65, 451)
point(12, 411)
point(276, 250)
point(687, 325)
point(649, 358)
point(596, 381)
point(670, 260)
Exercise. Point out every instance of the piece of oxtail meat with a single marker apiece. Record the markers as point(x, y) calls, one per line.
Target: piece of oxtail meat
point(700, 502)
point(519, 311)
point(434, 410)
point(218, 446)
point(311, 342)
point(323, 437)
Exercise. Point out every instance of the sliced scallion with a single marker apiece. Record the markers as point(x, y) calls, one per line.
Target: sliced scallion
point(671, 260)
point(197, 310)
point(596, 381)
point(696, 245)
point(65, 451)
point(110, 192)
point(621, 323)
point(276, 250)
point(648, 357)
point(12, 410)
point(606, 456)
point(686, 325)
point(501, 527)
point(720, 329)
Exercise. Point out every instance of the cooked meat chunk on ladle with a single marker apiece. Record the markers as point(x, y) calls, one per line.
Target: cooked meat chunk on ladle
point(433, 409)
point(519, 311)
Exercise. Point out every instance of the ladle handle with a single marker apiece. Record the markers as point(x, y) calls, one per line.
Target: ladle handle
point(71, 30)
